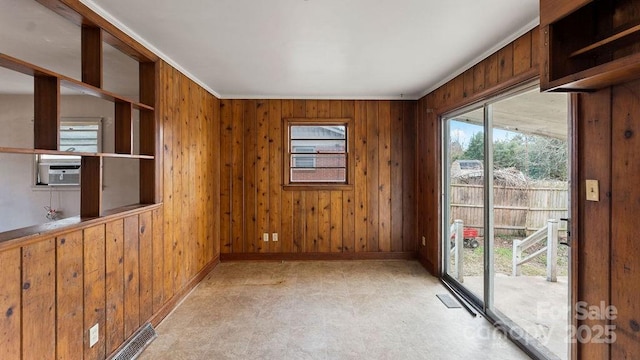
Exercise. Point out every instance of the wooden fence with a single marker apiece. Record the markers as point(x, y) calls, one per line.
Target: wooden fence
point(518, 210)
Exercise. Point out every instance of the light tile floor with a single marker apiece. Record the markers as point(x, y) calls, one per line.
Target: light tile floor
point(324, 310)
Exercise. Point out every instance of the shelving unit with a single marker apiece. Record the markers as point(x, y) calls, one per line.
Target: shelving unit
point(47, 92)
point(589, 44)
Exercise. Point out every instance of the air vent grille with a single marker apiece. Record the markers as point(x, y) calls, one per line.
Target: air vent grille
point(137, 344)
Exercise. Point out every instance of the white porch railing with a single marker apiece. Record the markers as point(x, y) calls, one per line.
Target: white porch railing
point(455, 247)
point(550, 233)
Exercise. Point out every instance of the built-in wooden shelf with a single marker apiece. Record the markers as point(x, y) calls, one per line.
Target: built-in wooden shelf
point(26, 68)
point(54, 152)
point(47, 91)
point(588, 44)
point(608, 40)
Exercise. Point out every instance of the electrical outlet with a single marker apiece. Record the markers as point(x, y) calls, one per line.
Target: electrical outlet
point(424, 241)
point(274, 237)
point(94, 335)
point(265, 237)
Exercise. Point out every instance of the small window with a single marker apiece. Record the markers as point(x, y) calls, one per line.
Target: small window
point(318, 152)
point(77, 135)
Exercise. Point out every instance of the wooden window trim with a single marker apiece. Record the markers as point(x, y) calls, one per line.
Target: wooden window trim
point(310, 186)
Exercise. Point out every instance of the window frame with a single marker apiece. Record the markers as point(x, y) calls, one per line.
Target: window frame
point(287, 147)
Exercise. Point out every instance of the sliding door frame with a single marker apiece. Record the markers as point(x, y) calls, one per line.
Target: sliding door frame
point(527, 343)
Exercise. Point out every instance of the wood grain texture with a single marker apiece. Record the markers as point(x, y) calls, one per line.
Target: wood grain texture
point(131, 276)
point(372, 180)
point(46, 121)
point(158, 261)
point(624, 276)
point(114, 278)
point(123, 128)
point(94, 290)
point(145, 246)
point(90, 186)
point(91, 54)
point(187, 226)
point(69, 295)
point(10, 304)
point(275, 173)
point(384, 176)
point(396, 196)
point(38, 302)
point(357, 217)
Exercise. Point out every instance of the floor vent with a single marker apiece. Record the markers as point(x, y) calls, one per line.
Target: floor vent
point(448, 301)
point(137, 344)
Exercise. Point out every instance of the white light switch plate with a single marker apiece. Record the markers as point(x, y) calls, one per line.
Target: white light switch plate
point(94, 335)
point(265, 237)
point(593, 190)
point(274, 237)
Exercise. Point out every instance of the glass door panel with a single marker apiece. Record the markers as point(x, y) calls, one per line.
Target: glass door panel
point(530, 196)
point(464, 222)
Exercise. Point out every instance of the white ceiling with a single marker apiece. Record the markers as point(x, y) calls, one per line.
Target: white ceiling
point(357, 49)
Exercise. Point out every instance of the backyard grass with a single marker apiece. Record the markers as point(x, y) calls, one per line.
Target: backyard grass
point(503, 251)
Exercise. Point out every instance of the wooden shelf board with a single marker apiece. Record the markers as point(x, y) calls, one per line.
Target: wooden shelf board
point(613, 72)
point(26, 68)
point(608, 40)
point(54, 152)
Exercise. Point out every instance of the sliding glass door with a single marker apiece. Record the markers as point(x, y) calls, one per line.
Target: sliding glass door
point(505, 198)
point(465, 181)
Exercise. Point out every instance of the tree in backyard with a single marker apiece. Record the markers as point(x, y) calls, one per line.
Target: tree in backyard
point(475, 150)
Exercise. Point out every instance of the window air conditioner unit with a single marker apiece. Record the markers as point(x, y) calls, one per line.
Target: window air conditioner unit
point(60, 174)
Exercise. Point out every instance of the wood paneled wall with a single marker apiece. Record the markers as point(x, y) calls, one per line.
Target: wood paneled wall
point(510, 66)
point(376, 216)
point(123, 270)
point(191, 163)
point(607, 128)
point(54, 289)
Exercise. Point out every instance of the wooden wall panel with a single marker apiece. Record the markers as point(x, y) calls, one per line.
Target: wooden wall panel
point(348, 197)
point(372, 180)
point(114, 249)
point(70, 300)
point(131, 276)
point(396, 185)
point(262, 173)
point(158, 261)
point(94, 290)
point(187, 226)
point(624, 275)
point(145, 246)
point(38, 300)
point(226, 127)
point(252, 241)
point(166, 115)
point(316, 220)
point(409, 177)
point(10, 306)
point(274, 164)
point(360, 181)
point(594, 134)
point(384, 176)
point(54, 289)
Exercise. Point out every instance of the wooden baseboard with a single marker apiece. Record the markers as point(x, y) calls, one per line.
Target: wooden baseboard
point(177, 297)
point(410, 255)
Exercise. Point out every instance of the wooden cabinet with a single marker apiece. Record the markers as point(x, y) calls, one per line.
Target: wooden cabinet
point(47, 92)
point(589, 44)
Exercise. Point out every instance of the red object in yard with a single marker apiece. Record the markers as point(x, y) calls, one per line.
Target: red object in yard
point(469, 233)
